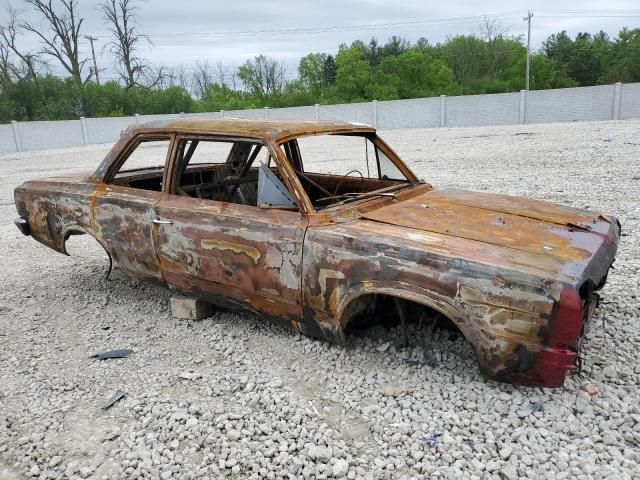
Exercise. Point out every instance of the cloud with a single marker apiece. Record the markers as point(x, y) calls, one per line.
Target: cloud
point(179, 29)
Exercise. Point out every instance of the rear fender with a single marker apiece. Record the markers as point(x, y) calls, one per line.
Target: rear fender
point(78, 229)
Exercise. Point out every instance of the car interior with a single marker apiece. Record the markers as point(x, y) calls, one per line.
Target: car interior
point(248, 176)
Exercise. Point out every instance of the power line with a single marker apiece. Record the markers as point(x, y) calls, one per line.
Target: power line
point(406, 24)
point(340, 28)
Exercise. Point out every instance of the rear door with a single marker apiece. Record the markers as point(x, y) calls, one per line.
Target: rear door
point(122, 207)
point(235, 255)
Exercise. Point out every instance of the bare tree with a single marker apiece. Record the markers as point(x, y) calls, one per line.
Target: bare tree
point(493, 32)
point(176, 77)
point(202, 78)
point(264, 77)
point(62, 37)
point(182, 77)
point(234, 77)
point(169, 77)
point(5, 64)
point(132, 69)
point(222, 72)
point(28, 62)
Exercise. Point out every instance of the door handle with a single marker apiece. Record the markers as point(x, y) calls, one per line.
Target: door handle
point(157, 221)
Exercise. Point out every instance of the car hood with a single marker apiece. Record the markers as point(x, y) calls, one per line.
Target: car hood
point(567, 235)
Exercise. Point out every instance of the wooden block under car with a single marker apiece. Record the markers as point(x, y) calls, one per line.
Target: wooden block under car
point(190, 308)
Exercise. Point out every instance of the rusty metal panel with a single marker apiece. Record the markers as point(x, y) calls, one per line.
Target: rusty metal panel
point(254, 255)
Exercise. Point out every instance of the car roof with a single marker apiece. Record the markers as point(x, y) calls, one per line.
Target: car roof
point(274, 130)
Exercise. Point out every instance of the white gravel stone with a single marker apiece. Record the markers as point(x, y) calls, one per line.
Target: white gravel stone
point(320, 453)
point(340, 468)
point(506, 452)
point(238, 397)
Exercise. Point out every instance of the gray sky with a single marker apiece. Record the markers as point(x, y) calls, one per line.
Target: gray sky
point(233, 31)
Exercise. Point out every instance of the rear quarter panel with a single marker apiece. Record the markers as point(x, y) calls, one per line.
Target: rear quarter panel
point(51, 206)
point(501, 311)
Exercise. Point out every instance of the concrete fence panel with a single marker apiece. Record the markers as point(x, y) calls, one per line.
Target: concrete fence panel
point(604, 102)
point(203, 115)
point(256, 113)
point(415, 113)
point(151, 118)
point(477, 110)
point(570, 104)
point(351, 112)
point(106, 130)
point(41, 135)
point(630, 101)
point(297, 113)
point(7, 142)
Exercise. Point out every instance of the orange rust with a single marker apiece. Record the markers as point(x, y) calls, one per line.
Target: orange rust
point(101, 188)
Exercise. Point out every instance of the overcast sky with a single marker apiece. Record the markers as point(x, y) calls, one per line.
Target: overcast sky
point(232, 31)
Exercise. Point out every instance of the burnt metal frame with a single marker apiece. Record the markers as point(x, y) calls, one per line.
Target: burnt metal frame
point(286, 170)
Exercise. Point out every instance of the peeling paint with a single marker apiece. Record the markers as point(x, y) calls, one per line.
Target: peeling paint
point(251, 252)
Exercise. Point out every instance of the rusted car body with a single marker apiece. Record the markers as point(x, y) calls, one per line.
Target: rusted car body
point(518, 277)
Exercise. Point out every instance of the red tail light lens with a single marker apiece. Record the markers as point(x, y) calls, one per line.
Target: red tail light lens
point(568, 324)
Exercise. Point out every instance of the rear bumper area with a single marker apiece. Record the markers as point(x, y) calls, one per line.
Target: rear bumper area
point(23, 226)
point(560, 350)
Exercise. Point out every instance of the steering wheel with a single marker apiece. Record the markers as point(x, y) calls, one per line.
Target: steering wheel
point(344, 177)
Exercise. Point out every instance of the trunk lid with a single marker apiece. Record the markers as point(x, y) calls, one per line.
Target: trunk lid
point(570, 235)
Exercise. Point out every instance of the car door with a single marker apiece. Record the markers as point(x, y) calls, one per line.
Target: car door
point(234, 255)
point(122, 206)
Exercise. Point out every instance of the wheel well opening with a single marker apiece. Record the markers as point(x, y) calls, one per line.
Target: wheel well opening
point(378, 310)
point(78, 243)
point(428, 336)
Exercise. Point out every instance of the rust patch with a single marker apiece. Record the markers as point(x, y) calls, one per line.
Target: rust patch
point(251, 252)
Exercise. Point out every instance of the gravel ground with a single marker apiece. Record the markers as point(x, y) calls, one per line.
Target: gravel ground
point(234, 396)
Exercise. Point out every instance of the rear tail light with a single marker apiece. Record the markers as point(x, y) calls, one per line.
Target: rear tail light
point(568, 324)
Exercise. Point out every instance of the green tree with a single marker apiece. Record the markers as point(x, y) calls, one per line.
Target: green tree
point(625, 58)
point(353, 73)
point(394, 46)
point(329, 70)
point(584, 59)
point(264, 78)
point(546, 74)
point(311, 73)
point(413, 74)
point(464, 56)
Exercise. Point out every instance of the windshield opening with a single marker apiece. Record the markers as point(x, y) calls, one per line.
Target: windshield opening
point(340, 168)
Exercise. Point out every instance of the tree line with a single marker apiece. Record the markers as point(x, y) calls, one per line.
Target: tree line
point(491, 61)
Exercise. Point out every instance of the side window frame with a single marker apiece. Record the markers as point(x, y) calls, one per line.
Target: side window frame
point(281, 163)
point(171, 178)
point(393, 157)
point(377, 143)
point(132, 145)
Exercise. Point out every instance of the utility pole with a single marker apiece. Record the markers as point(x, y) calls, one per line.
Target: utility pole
point(93, 53)
point(528, 19)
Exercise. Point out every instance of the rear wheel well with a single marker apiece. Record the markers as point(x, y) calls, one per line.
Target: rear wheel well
point(76, 230)
point(424, 324)
point(381, 309)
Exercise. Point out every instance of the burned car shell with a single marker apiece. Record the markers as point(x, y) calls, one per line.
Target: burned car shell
point(518, 277)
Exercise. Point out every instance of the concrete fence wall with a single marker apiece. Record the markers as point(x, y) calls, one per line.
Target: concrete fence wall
point(604, 102)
